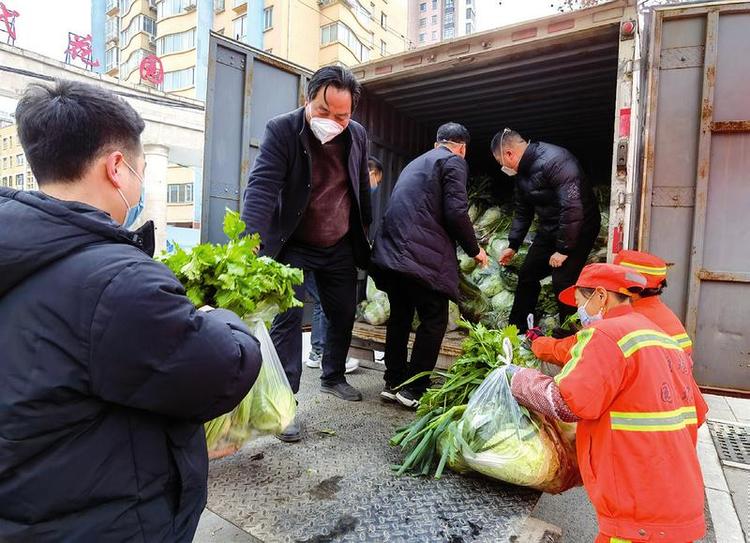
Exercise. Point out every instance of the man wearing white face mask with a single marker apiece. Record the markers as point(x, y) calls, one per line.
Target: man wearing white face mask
point(551, 185)
point(108, 371)
point(308, 196)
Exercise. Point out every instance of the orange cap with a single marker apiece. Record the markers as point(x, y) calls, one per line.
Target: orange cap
point(608, 276)
point(653, 268)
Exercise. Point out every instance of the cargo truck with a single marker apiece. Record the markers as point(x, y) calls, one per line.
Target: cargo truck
point(655, 105)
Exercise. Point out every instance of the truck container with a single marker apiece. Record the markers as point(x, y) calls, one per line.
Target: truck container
point(654, 104)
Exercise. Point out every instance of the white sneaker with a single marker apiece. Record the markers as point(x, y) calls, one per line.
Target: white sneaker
point(352, 364)
point(313, 360)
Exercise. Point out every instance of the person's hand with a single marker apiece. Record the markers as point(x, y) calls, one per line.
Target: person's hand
point(482, 258)
point(506, 256)
point(557, 260)
point(534, 333)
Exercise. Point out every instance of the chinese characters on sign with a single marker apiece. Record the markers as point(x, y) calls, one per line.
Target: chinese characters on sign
point(79, 47)
point(152, 70)
point(8, 18)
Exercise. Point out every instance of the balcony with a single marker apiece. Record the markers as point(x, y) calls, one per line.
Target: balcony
point(240, 7)
point(112, 8)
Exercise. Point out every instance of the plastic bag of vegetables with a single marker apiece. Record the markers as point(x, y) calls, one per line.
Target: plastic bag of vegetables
point(505, 441)
point(267, 409)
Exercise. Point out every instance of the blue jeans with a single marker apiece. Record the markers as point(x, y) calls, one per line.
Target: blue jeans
point(319, 320)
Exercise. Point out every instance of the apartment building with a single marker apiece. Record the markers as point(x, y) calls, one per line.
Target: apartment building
point(432, 21)
point(14, 170)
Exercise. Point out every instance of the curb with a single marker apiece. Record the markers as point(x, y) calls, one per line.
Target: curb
point(723, 514)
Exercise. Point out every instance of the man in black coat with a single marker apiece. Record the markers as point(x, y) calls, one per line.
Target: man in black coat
point(551, 185)
point(309, 198)
point(107, 371)
point(414, 258)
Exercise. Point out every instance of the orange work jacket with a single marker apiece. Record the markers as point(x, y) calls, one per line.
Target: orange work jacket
point(631, 386)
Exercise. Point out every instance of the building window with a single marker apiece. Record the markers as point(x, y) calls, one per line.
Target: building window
point(339, 32)
point(141, 23)
point(423, 22)
point(434, 4)
point(111, 58)
point(5, 143)
point(423, 7)
point(240, 28)
point(239, 2)
point(383, 19)
point(268, 18)
point(174, 43)
point(219, 5)
point(448, 18)
point(469, 13)
point(468, 28)
point(133, 62)
point(19, 180)
point(167, 8)
point(448, 4)
point(5, 163)
point(383, 51)
point(434, 19)
point(448, 33)
point(180, 79)
point(434, 35)
point(421, 38)
point(112, 28)
point(20, 160)
point(180, 193)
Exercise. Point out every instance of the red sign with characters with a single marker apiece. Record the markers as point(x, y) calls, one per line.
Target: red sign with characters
point(152, 70)
point(8, 18)
point(79, 47)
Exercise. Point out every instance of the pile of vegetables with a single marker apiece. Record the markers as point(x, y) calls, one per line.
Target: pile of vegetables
point(257, 288)
point(472, 423)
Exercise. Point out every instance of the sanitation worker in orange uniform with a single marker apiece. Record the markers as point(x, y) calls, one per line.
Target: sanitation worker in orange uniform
point(647, 302)
point(630, 387)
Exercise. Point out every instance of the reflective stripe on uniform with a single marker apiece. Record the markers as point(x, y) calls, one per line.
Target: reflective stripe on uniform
point(639, 339)
point(683, 340)
point(657, 421)
point(583, 338)
point(618, 540)
point(650, 270)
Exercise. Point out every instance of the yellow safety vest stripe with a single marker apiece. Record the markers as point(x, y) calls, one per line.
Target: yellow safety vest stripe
point(583, 338)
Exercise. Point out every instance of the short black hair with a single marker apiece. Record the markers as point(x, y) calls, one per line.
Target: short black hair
point(338, 77)
point(658, 291)
point(504, 136)
point(64, 127)
point(374, 164)
point(454, 132)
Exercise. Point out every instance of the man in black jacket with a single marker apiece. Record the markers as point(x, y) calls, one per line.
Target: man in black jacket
point(107, 371)
point(414, 258)
point(309, 198)
point(551, 184)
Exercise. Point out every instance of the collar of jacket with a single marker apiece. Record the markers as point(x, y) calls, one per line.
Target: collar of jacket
point(528, 158)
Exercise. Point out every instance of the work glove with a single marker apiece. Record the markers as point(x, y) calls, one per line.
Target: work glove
point(534, 333)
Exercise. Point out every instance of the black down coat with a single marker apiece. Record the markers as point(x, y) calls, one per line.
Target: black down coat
point(107, 373)
point(551, 183)
point(278, 189)
point(427, 215)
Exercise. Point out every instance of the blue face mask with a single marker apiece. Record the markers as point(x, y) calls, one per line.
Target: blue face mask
point(586, 319)
point(133, 212)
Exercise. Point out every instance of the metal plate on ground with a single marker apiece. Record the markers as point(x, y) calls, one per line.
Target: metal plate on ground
point(732, 442)
point(337, 485)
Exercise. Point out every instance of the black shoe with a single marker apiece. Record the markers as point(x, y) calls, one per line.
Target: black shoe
point(388, 394)
point(291, 433)
point(344, 390)
point(407, 398)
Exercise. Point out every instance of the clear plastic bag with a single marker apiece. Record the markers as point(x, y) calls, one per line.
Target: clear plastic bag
point(505, 441)
point(267, 409)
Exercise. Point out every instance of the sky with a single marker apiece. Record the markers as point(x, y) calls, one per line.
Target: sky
point(494, 13)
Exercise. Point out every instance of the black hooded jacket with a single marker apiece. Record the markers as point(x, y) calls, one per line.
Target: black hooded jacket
point(551, 183)
point(107, 373)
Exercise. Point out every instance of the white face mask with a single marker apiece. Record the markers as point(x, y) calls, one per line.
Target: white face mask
point(324, 129)
point(507, 170)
